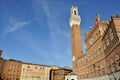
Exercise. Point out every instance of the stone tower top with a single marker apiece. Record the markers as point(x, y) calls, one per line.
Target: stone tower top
point(74, 18)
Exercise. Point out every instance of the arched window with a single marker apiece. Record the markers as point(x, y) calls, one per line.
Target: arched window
point(108, 42)
point(118, 60)
point(91, 40)
point(111, 34)
point(104, 45)
point(117, 57)
point(108, 67)
point(75, 12)
point(102, 69)
point(112, 63)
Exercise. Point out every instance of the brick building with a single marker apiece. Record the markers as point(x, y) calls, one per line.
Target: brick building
point(1, 63)
point(102, 58)
point(1, 66)
point(59, 74)
point(11, 70)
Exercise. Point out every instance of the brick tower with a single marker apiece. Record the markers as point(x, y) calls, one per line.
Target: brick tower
point(76, 35)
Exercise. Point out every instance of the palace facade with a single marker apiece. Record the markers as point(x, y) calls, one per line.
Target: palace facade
point(102, 58)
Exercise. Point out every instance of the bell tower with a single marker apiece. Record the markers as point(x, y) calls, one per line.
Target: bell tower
point(76, 35)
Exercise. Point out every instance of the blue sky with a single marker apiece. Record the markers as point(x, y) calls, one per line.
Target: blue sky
point(37, 31)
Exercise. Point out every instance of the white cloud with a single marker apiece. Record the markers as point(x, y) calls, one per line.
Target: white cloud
point(53, 25)
point(15, 26)
point(84, 46)
point(57, 34)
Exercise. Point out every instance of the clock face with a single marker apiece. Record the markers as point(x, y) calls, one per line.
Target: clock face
point(73, 58)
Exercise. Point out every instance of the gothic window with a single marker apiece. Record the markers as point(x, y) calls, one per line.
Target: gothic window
point(108, 41)
point(112, 62)
point(111, 34)
point(91, 40)
point(108, 66)
point(118, 60)
point(104, 45)
point(117, 57)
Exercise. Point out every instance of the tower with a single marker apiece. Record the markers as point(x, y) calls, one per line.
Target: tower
point(76, 35)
